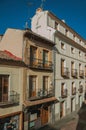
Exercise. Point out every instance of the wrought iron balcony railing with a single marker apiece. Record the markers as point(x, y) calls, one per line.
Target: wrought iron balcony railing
point(65, 72)
point(74, 73)
point(42, 93)
point(12, 98)
point(81, 73)
point(64, 93)
point(73, 90)
point(81, 89)
point(45, 93)
point(40, 64)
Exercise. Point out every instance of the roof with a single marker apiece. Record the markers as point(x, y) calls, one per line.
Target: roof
point(8, 55)
point(8, 58)
point(63, 23)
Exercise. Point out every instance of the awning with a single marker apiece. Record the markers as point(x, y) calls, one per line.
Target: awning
point(37, 102)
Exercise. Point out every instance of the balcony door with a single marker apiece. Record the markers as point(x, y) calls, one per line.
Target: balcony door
point(63, 66)
point(62, 109)
point(63, 90)
point(45, 84)
point(32, 86)
point(4, 82)
point(45, 58)
point(33, 55)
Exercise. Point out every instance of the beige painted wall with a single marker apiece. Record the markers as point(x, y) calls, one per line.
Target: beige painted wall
point(12, 41)
point(16, 84)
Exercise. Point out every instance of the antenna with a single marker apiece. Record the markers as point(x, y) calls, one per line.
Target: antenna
point(26, 25)
point(42, 3)
point(29, 4)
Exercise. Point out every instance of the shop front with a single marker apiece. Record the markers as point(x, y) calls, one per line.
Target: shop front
point(38, 114)
point(11, 122)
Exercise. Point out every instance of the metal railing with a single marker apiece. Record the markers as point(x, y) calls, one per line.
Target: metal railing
point(64, 93)
point(81, 89)
point(65, 72)
point(74, 73)
point(73, 90)
point(40, 64)
point(45, 93)
point(81, 73)
point(12, 97)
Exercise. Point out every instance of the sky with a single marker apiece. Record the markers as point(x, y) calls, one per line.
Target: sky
point(15, 13)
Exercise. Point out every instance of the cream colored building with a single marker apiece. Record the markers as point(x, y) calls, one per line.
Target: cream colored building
point(11, 91)
point(69, 58)
point(38, 100)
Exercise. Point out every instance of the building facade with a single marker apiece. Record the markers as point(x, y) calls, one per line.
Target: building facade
point(39, 97)
point(37, 86)
point(11, 92)
point(69, 57)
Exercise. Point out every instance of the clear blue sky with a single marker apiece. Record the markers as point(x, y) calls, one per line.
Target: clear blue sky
point(14, 13)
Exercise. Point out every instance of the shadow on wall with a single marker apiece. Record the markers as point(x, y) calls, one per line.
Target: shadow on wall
point(82, 116)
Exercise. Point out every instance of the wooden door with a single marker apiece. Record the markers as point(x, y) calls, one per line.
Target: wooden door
point(61, 109)
point(44, 115)
point(32, 84)
point(72, 105)
point(3, 88)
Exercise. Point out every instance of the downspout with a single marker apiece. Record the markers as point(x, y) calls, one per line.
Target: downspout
point(54, 70)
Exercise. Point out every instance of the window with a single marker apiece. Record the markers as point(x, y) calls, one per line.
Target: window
point(45, 57)
point(72, 50)
point(66, 32)
point(33, 55)
point(63, 89)
point(56, 25)
point(80, 54)
point(80, 67)
point(45, 83)
point(73, 88)
point(51, 22)
point(32, 86)
point(4, 84)
point(85, 71)
point(63, 46)
point(33, 52)
point(74, 37)
point(85, 55)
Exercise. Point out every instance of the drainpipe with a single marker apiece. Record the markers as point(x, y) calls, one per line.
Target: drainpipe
point(54, 73)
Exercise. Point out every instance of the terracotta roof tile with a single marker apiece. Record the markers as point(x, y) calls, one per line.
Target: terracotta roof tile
point(9, 56)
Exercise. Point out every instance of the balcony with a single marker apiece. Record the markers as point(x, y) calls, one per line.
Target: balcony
point(65, 72)
point(42, 94)
point(73, 90)
point(40, 64)
point(74, 73)
point(81, 89)
point(64, 93)
point(81, 73)
point(10, 100)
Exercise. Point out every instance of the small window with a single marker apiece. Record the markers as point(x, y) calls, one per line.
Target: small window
point(56, 25)
point(72, 50)
point(85, 55)
point(80, 54)
point(51, 22)
point(66, 32)
point(63, 46)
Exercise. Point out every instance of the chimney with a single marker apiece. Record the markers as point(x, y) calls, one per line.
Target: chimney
point(38, 10)
point(63, 20)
